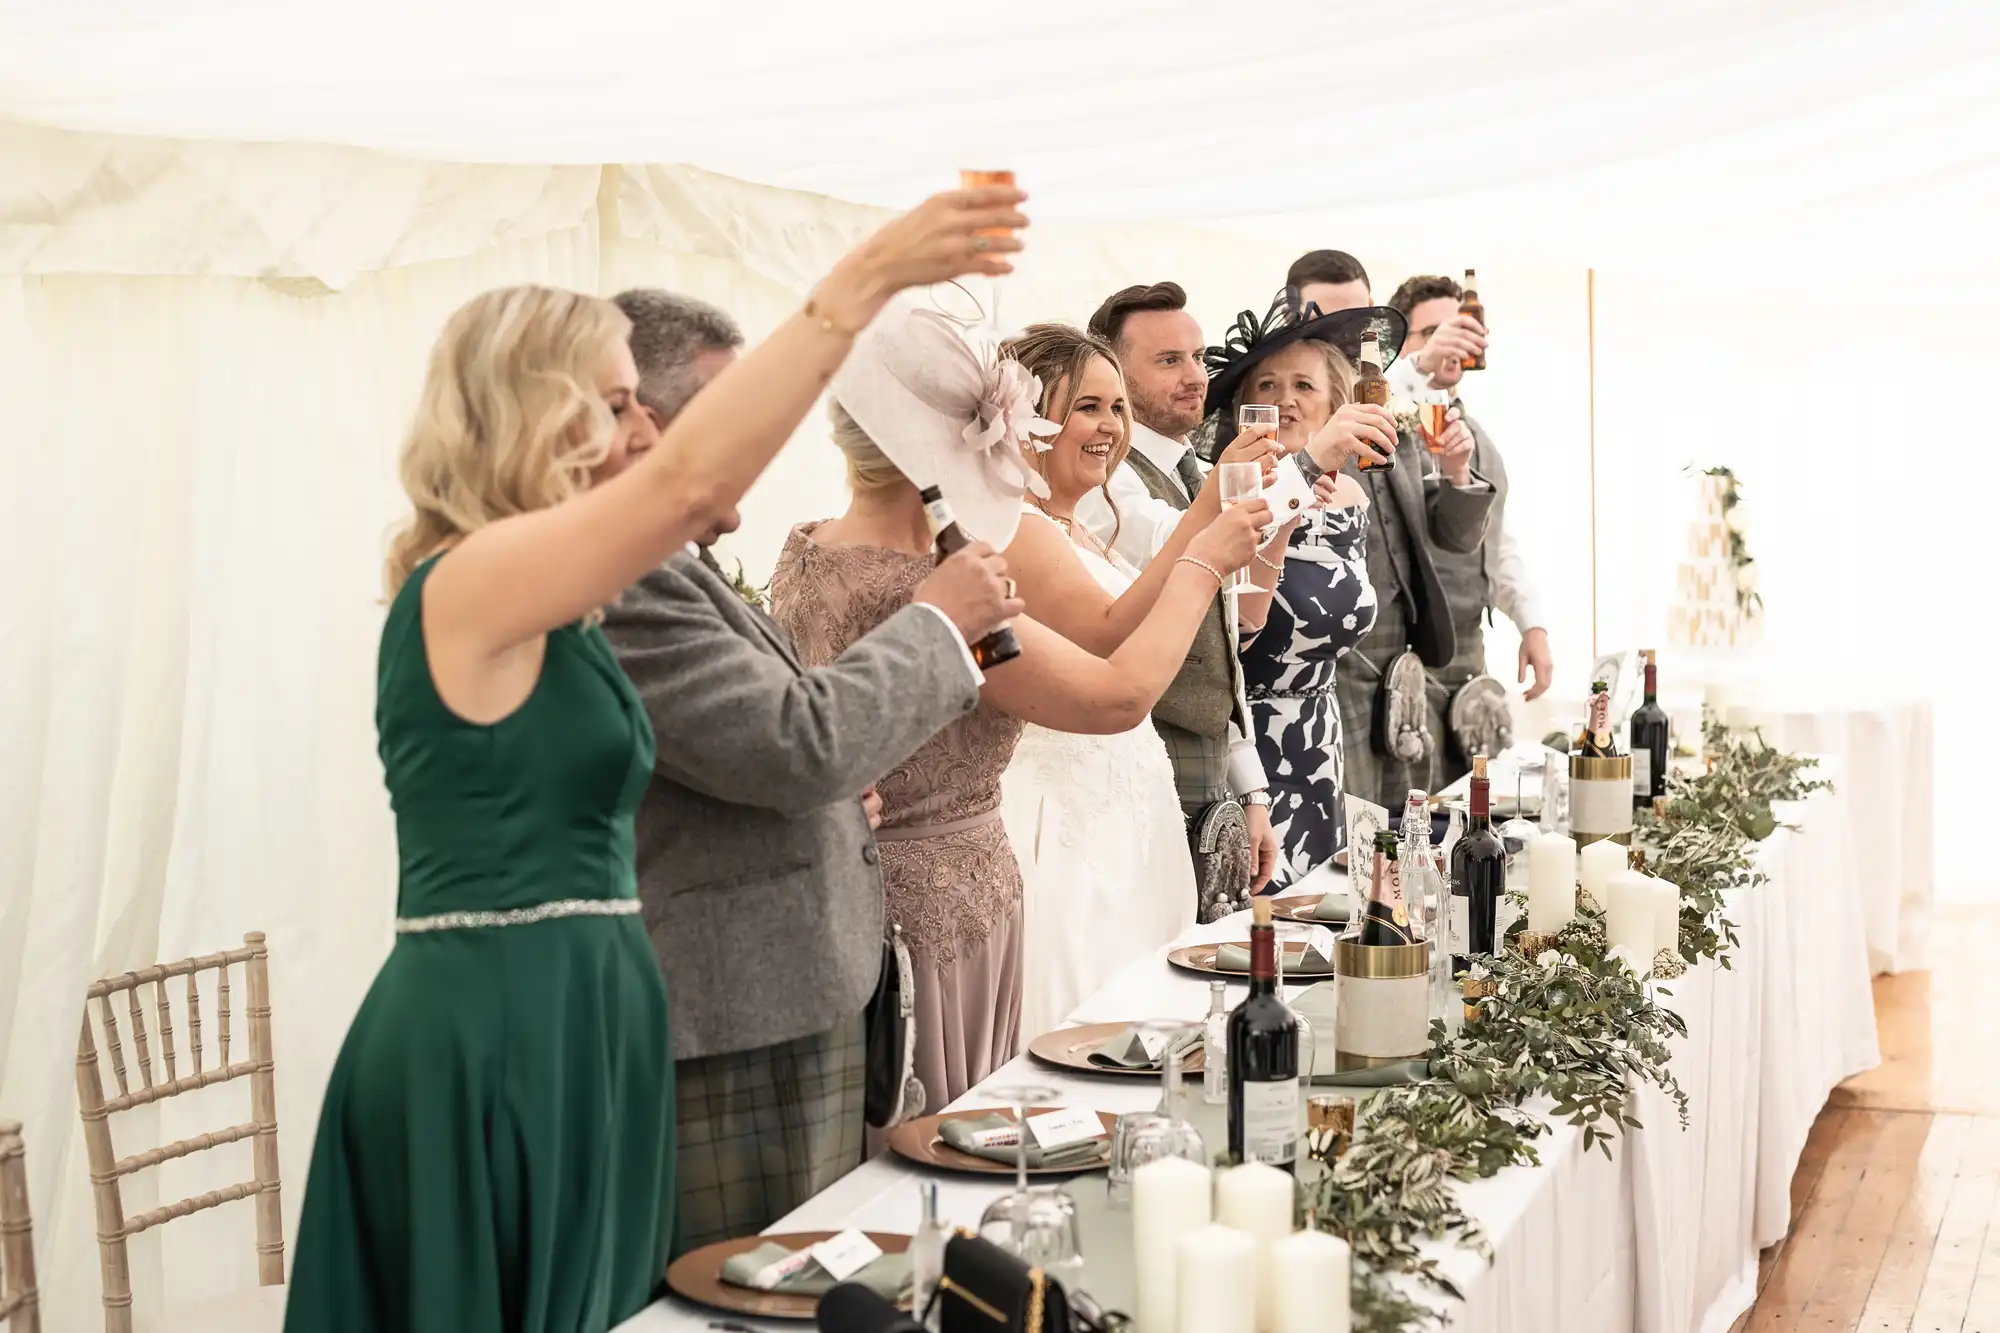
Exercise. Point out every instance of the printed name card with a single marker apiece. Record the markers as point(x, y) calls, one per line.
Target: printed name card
point(845, 1255)
point(1000, 1136)
point(1059, 1129)
point(770, 1275)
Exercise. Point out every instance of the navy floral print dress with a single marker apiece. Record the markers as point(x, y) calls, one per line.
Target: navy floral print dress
point(1322, 607)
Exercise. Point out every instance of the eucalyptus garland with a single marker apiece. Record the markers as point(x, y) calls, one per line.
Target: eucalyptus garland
point(1573, 1025)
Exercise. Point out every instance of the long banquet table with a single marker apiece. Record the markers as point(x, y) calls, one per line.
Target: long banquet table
point(1662, 1237)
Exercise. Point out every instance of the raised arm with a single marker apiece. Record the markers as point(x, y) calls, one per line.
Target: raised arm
point(1056, 684)
point(512, 581)
point(736, 722)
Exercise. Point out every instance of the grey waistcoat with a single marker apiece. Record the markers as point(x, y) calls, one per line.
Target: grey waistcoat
point(1202, 698)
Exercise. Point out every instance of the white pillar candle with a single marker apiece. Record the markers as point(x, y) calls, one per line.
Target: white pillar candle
point(1628, 917)
point(1256, 1200)
point(1666, 914)
point(1171, 1197)
point(1218, 1281)
point(1601, 860)
point(1316, 1284)
point(1551, 881)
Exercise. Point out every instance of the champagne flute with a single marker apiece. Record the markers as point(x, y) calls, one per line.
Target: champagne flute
point(1238, 483)
point(972, 179)
point(1433, 416)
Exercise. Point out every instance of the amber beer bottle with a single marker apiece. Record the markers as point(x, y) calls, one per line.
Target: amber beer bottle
point(1469, 304)
point(1372, 386)
point(1000, 646)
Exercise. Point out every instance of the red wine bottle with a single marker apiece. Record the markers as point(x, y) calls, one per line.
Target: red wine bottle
point(1264, 1059)
point(1000, 646)
point(1478, 878)
point(1385, 918)
point(1649, 742)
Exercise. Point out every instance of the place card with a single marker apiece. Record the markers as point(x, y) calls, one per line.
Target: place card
point(1152, 1043)
point(846, 1254)
point(1059, 1129)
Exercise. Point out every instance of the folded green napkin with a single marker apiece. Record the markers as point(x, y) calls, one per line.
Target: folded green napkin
point(888, 1276)
point(1236, 958)
point(958, 1133)
point(1126, 1051)
point(1331, 907)
point(1381, 1076)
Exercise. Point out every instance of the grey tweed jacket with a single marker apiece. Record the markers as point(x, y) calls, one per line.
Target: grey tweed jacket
point(757, 871)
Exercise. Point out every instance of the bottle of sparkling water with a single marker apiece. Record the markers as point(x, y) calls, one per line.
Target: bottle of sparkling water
point(1215, 1046)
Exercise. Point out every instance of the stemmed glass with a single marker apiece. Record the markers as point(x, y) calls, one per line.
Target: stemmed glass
point(1006, 1218)
point(1147, 1136)
point(1238, 483)
point(1286, 936)
point(1517, 833)
point(1433, 414)
point(971, 179)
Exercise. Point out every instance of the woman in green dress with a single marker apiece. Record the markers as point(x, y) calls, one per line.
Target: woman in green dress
point(495, 1149)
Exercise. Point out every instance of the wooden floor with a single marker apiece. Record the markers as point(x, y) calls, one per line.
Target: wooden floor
point(1896, 1204)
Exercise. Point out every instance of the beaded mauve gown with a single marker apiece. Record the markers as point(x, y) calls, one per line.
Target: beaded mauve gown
point(496, 1147)
point(947, 868)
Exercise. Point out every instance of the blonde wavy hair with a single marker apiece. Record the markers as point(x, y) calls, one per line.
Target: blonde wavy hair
point(1057, 355)
point(1340, 384)
point(510, 419)
point(868, 468)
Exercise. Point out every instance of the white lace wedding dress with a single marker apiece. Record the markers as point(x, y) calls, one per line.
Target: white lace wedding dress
point(1097, 828)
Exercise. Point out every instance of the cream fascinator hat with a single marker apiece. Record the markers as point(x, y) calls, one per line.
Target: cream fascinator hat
point(949, 412)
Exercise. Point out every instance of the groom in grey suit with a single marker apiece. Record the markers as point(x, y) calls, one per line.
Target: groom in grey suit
point(756, 861)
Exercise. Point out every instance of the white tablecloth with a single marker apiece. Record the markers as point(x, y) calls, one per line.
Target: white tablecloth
point(1663, 1237)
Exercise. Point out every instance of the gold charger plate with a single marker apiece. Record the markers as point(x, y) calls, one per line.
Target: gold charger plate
point(697, 1275)
point(918, 1141)
point(1201, 958)
point(1300, 909)
point(1070, 1048)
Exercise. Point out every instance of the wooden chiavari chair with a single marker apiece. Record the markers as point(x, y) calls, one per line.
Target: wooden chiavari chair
point(108, 1171)
point(20, 1310)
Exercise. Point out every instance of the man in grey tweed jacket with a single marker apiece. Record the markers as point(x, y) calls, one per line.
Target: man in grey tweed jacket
point(756, 860)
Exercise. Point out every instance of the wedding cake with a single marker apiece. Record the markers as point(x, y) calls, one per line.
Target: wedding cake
point(1715, 604)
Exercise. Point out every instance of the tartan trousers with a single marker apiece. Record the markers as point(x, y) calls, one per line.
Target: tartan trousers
point(761, 1131)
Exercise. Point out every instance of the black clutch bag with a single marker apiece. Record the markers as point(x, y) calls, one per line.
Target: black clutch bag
point(892, 1093)
point(987, 1290)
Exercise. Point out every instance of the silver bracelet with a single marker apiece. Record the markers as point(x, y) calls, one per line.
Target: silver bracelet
point(1200, 563)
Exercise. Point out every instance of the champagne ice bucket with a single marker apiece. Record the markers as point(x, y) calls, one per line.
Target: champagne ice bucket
point(1382, 1002)
point(1600, 798)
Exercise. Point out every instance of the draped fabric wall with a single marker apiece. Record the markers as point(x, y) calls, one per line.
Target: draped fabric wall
point(207, 354)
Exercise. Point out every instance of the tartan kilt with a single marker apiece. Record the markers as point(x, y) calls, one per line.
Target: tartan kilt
point(761, 1131)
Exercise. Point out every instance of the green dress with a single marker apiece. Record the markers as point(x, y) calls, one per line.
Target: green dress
point(496, 1146)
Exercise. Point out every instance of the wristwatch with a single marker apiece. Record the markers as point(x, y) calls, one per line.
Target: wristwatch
point(1256, 798)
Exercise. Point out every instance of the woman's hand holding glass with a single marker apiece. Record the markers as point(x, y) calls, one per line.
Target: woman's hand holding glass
point(1355, 430)
point(1231, 541)
point(1256, 445)
point(947, 236)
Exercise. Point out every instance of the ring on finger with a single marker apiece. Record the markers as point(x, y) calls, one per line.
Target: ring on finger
point(1010, 590)
point(981, 244)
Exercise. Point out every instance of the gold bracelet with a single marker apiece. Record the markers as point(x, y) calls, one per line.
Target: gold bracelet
point(824, 320)
point(1199, 563)
point(1267, 564)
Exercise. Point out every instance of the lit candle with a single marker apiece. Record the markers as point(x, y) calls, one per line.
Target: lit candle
point(1601, 860)
point(1551, 882)
point(1316, 1284)
point(1256, 1200)
point(1218, 1281)
point(1628, 917)
point(1666, 914)
point(1170, 1199)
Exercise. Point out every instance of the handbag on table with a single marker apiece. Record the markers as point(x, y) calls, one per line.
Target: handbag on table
point(987, 1290)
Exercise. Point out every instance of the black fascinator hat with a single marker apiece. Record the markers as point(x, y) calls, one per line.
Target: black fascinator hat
point(1250, 340)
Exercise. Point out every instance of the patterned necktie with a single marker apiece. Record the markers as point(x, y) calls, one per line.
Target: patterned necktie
point(1189, 471)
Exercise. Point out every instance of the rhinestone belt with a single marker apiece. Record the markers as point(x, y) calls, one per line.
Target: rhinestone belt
point(519, 916)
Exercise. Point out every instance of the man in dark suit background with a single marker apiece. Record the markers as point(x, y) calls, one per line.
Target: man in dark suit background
point(1409, 522)
point(757, 865)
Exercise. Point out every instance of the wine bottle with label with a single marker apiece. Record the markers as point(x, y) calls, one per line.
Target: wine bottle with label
point(1649, 742)
point(1385, 918)
point(1597, 740)
point(1000, 646)
point(1478, 878)
point(1264, 1058)
point(1371, 386)
point(1470, 304)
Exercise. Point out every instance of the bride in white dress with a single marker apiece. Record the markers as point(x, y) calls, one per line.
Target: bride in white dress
point(1094, 820)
